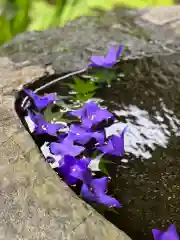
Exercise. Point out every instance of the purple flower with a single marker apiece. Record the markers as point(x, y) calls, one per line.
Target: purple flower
point(115, 145)
point(91, 114)
point(43, 127)
point(107, 61)
point(73, 169)
point(95, 191)
point(61, 137)
point(66, 147)
point(41, 102)
point(82, 136)
point(170, 234)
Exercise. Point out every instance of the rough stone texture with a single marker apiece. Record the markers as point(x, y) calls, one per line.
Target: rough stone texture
point(94, 228)
point(34, 203)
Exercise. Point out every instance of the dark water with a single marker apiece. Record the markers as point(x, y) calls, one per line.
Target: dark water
point(146, 180)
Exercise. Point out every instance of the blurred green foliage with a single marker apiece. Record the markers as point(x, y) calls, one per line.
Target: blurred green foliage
point(17, 16)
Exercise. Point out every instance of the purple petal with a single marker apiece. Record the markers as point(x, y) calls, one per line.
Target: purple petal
point(103, 114)
point(111, 56)
point(65, 148)
point(87, 194)
point(106, 149)
point(76, 129)
point(94, 117)
point(82, 136)
point(80, 139)
point(109, 60)
point(169, 234)
point(79, 134)
point(48, 128)
point(91, 114)
point(97, 61)
point(65, 169)
point(173, 232)
point(87, 177)
point(95, 192)
point(99, 136)
point(77, 113)
point(86, 123)
point(108, 201)
point(84, 111)
point(43, 127)
point(119, 51)
point(41, 101)
point(118, 145)
point(100, 185)
point(90, 109)
point(79, 168)
point(69, 160)
point(115, 145)
point(156, 234)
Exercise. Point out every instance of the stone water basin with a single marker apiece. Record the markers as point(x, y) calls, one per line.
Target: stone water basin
point(146, 180)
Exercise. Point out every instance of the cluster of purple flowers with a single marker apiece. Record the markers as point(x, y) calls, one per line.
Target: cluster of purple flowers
point(70, 145)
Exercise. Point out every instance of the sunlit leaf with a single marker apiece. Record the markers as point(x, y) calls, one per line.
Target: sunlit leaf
point(21, 20)
point(41, 11)
point(5, 27)
point(83, 87)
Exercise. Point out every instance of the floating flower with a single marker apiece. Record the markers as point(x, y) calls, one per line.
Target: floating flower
point(92, 114)
point(61, 137)
point(66, 147)
point(82, 136)
point(107, 61)
point(41, 102)
point(53, 160)
point(43, 127)
point(115, 145)
point(73, 169)
point(95, 191)
point(170, 234)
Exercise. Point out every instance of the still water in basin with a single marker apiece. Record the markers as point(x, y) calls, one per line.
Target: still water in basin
point(146, 180)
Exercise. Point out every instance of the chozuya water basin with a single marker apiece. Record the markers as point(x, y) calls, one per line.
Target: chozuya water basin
point(146, 180)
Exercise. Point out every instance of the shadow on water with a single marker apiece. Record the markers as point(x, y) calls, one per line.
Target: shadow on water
point(146, 180)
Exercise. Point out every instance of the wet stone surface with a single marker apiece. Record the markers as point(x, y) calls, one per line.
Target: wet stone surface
point(147, 99)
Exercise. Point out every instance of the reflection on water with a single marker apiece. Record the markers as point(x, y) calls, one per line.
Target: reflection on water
point(142, 134)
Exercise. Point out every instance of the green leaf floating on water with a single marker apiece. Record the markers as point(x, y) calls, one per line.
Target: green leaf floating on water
point(83, 87)
point(84, 90)
point(105, 76)
point(102, 166)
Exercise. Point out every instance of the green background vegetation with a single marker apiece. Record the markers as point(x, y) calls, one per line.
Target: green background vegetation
point(17, 16)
